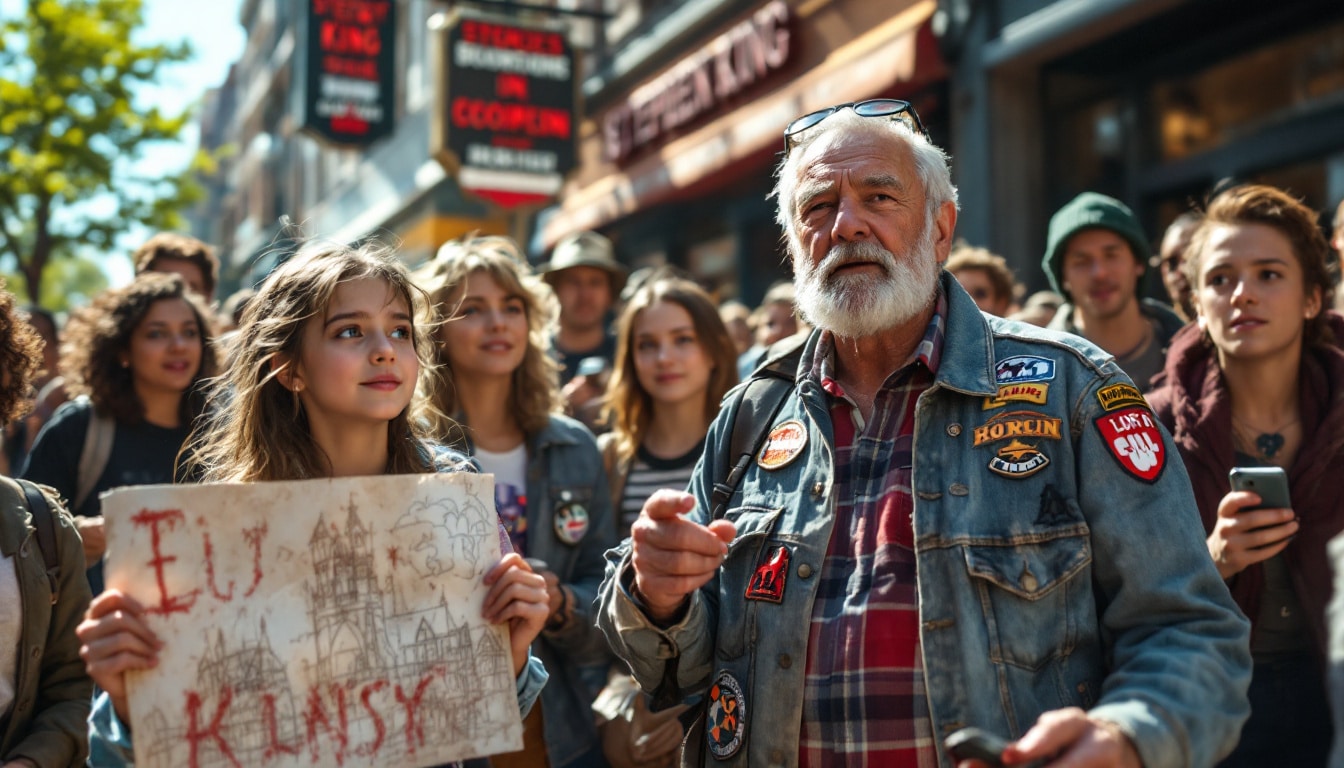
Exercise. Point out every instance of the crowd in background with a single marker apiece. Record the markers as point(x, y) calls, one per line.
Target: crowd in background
point(584, 390)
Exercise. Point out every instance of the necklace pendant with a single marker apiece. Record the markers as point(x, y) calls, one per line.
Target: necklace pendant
point(1269, 444)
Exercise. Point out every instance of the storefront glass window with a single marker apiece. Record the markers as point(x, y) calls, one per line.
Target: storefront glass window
point(1245, 93)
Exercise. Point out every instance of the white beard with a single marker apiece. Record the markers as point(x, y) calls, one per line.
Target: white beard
point(853, 306)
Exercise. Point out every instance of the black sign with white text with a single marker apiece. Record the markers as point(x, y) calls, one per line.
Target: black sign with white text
point(350, 89)
point(509, 105)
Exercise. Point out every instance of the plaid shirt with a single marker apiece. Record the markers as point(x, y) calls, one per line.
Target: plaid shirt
point(864, 700)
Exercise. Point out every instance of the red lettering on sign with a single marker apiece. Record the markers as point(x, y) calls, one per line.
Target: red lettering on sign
point(379, 729)
point(153, 519)
point(274, 746)
point(253, 536)
point(223, 597)
point(494, 116)
point(316, 715)
point(498, 36)
point(510, 86)
point(194, 733)
point(346, 38)
point(415, 730)
point(364, 69)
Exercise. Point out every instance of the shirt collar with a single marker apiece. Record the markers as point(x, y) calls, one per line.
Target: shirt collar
point(928, 352)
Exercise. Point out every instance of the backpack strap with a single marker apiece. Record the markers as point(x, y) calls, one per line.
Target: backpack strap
point(93, 457)
point(754, 410)
point(45, 524)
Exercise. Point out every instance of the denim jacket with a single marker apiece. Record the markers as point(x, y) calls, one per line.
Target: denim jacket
point(1053, 571)
point(565, 473)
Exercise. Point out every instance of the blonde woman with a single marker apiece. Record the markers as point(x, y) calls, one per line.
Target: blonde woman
point(497, 397)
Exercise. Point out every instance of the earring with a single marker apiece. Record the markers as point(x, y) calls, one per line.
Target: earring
point(298, 387)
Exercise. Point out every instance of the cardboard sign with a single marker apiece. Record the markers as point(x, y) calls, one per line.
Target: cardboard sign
point(321, 622)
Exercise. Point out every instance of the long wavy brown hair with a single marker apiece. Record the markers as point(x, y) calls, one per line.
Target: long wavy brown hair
point(98, 337)
point(628, 407)
point(535, 392)
point(20, 357)
point(257, 429)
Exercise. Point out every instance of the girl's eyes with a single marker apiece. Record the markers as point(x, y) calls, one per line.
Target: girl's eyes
point(686, 339)
point(403, 332)
point(349, 332)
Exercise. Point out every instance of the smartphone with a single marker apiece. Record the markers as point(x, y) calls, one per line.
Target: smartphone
point(975, 744)
point(1270, 483)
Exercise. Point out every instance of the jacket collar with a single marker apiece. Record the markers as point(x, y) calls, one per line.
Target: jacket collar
point(967, 363)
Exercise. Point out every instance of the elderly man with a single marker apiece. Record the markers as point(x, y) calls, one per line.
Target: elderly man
point(952, 520)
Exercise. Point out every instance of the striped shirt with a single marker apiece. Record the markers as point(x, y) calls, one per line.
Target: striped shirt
point(864, 700)
point(648, 473)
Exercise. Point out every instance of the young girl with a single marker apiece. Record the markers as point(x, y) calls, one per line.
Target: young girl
point(674, 362)
point(1259, 381)
point(500, 386)
point(327, 362)
point(136, 354)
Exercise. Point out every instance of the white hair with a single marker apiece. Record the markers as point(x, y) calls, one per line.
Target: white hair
point(931, 163)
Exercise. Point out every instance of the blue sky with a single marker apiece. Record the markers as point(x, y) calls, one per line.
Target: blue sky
point(217, 38)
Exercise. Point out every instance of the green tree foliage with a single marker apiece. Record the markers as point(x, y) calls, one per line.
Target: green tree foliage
point(69, 128)
point(66, 283)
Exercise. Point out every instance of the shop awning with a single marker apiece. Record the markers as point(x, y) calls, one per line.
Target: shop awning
point(872, 64)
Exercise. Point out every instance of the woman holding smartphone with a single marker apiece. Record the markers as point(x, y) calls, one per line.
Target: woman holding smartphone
point(1258, 381)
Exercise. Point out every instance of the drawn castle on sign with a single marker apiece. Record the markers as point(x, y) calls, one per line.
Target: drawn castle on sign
point(378, 682)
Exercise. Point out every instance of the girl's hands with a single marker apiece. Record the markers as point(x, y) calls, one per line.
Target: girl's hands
point(517, 596)
point(115, 638)
point(1241, 538)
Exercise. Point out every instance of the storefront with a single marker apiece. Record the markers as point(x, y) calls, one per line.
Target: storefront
point(1153, 103)
point(676, 167)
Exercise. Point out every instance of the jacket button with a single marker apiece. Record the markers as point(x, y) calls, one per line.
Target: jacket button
point(818, 489)
point(804, 571)
point(785, 661)
point(954, 429)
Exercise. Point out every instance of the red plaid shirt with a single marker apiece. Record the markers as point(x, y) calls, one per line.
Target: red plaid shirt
point(864, 701)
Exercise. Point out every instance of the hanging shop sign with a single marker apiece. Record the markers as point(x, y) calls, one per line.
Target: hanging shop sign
point(727, 66)
point(506, 114)
point(350, 84)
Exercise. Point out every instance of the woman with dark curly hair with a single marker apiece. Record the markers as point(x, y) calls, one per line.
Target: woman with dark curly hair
point(44, 691)
point(132, 358)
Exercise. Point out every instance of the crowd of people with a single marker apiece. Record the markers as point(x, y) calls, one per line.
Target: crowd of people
point(898, 498)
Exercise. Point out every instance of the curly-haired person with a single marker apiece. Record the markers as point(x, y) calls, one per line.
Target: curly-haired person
point(132, 358)
point(44, 691)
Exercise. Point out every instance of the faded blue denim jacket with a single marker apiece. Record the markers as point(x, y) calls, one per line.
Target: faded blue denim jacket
point(1079, 583)
point(564, 470)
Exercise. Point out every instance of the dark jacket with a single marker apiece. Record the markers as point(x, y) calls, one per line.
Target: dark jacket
point(51, 690)
point(1196, 407)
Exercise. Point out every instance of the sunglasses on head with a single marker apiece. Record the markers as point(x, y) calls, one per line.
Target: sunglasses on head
point(896, 109)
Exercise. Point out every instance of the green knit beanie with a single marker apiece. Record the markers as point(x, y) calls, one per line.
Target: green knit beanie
point(1090, 210)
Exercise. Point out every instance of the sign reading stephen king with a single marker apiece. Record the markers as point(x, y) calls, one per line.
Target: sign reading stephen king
point(350, 88)
point(725, 67)
point(508, 108)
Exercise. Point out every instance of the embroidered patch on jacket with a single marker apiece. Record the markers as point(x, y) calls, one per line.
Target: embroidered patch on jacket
point(1013, 424)
point(768, 581)
point(1120, 396)
point(570, 521)
point(1025, 393)
point(1023, 368)
point(785, 443)
point(1018, 460)
point(1054, 509)
point(1134, 441)
point(725, 717)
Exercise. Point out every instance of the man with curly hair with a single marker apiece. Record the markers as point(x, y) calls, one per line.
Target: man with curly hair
point(44, 691)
